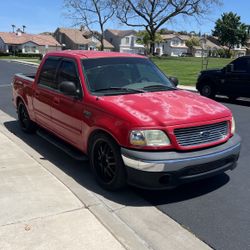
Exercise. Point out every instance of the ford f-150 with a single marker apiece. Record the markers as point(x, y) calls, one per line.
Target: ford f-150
point(130, 120)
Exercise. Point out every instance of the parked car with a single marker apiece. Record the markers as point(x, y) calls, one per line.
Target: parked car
point(128, 118)
point(186, 54)
point(233, 80)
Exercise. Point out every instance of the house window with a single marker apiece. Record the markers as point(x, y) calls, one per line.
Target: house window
point(30, 49)
point(175, 42)
point(82, 47)
point(126, 40)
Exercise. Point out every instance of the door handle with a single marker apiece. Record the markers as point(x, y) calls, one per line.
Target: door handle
point(56, 101)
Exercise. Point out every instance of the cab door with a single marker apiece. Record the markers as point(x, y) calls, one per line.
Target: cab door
point(44, 92)
point(237, 82)
point(67, 111)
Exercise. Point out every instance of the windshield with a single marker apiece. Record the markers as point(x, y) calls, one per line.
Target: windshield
point(124, 75)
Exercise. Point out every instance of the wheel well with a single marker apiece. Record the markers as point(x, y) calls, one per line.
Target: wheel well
point(18, 100)
point(204, 80)
point(96, 132)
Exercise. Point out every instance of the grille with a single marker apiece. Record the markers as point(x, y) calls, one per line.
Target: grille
point(202, 134)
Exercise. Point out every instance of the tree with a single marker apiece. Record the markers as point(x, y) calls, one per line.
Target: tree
point(193, 41)
point(144, 39)
point(230, 31)
point(13, 27)
point(152, 14)
point(89, 13)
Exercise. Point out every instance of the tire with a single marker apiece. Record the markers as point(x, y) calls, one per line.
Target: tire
point(232, 98)
point(106, 162)
point(207, 90)
point(25, 123)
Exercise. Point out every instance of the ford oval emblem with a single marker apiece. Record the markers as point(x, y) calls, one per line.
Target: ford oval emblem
point(204, 134)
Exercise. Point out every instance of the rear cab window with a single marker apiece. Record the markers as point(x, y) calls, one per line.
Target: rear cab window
point(47, 77)
point(56, 70)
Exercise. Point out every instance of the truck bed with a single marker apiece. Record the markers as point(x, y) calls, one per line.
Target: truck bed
point(30, 77)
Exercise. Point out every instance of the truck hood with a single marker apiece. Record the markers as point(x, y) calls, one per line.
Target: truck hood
point(164, 108)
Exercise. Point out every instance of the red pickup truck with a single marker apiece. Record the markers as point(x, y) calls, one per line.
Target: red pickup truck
point(128, 118)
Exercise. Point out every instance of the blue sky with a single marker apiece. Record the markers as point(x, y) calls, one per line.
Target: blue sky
point(47, 15)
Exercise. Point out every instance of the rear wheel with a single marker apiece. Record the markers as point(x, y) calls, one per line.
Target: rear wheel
point(207, 90)
point(106, 162)
point(25, 123)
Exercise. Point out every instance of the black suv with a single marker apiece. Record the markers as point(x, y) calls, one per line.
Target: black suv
point(233, 80)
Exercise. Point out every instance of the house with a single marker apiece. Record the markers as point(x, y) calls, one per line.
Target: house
point(175, 45)
point(206, 48)
point(20, 42)
point(80, 39)
point(172, 45)
point(238, 50)
point(124, 41)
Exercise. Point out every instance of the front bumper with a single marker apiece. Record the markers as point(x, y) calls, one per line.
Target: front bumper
point(162, 170)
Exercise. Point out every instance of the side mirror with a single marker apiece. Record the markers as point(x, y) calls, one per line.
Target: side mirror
point(230, 68)
point(174, 80)
point(68, 88)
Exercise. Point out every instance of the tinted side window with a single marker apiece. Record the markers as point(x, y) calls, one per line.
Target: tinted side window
point(241, 65)
point(48, 73)
point(68, 72)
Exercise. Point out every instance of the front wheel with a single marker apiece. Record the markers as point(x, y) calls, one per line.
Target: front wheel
point(106, 162)
point(207, 90)
point(25, 123)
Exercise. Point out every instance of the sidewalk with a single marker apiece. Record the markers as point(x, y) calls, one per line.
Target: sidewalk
point(39, 212)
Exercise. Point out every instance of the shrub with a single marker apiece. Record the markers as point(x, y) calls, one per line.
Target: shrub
point(29, 55)
point(4, 54)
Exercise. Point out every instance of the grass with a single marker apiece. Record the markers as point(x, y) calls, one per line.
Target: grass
point(26, 59)
point(186, 69)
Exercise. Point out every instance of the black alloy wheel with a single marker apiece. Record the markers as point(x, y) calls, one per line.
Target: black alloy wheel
point(207, 90)
point(24, 120)
point(107, 163)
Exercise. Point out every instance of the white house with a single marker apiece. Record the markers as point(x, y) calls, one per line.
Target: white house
point(124, 41)
point(172, 45)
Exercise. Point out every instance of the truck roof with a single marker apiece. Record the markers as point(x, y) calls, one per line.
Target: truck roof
point(92, 54)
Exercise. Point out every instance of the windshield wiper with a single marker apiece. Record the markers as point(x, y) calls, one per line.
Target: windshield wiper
point(158, 87)
point(120, 88)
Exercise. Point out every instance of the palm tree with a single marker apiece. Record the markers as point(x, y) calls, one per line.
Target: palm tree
point(13, 27)
point(24, 27)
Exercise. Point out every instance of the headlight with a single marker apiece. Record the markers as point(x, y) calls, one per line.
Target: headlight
point(149, 138)
point(232, 125)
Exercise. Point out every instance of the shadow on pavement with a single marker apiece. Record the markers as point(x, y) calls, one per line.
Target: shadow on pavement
point(81, 173)
point(185, 192)
point(241, 101)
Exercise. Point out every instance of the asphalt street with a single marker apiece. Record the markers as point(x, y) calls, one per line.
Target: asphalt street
point(216, 210)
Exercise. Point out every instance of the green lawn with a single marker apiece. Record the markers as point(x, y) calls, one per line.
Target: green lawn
point(26, 59)
point(186, 69)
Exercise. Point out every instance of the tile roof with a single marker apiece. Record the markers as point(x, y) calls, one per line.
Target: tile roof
point(122, 33)
point(75, 35)
point(170, 36)
point(82, 36)
point(42, 40)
